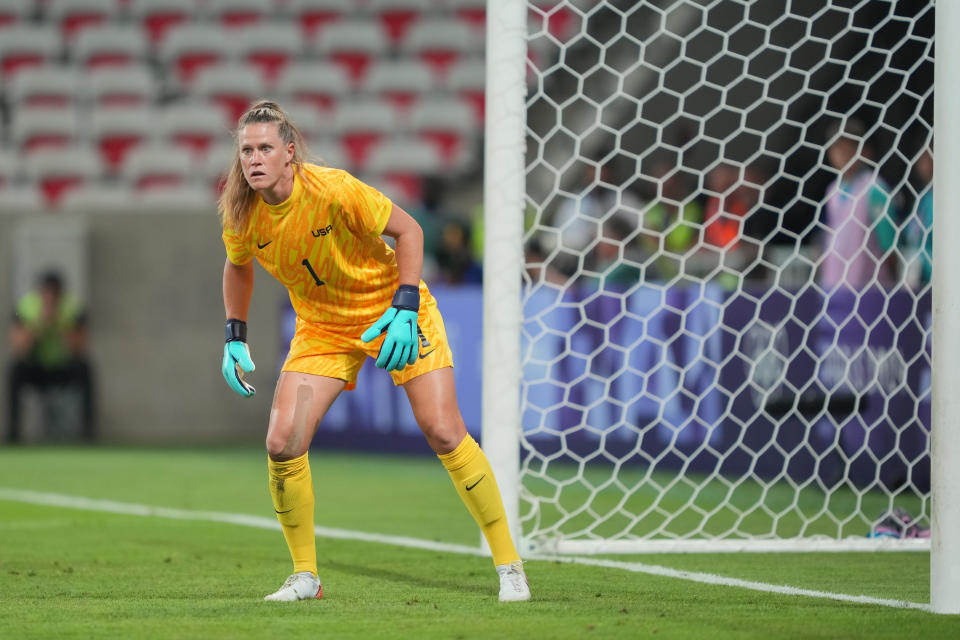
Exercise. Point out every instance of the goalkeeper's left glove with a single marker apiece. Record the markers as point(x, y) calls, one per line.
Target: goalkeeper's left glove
point(236, 358)
point(401, 346)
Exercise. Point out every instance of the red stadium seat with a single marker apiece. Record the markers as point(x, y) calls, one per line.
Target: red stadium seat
point(118, 130)
point(398, 15)
point(158, 16)
point(109, 46)
point(446, 124)
point(473, 12)
point(403, 162)
point(361, 124)
point(57, 171)
point(313, 15)
point(318, 84)
point(400, 81)
point(34, 128)
point(48, 85)
point(95, 196)
point(189, 47)
point(441, 41)
point(231, 85)
point(240, 13)
point(72, 16)
point(467, 78)
point(14, 11)
point(352, 44)
point(119, 86)
point(269, 47)
point(193, 125)
point(27, 45)
point(157, 165)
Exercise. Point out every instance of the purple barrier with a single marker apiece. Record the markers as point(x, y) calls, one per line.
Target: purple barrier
point(766, 382)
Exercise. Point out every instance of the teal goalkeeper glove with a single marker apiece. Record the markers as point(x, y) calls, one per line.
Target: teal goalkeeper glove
point(236, 358)
point(400, 347)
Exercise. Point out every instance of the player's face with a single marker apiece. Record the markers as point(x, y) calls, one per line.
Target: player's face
point(264, 156)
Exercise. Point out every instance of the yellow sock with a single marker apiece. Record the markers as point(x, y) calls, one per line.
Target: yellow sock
point(472, 475)
point(292, 489)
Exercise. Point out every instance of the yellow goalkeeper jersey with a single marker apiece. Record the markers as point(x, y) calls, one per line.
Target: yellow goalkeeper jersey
point(323, 243)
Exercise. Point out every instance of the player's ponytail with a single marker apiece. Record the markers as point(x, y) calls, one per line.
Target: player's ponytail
point(238, 197)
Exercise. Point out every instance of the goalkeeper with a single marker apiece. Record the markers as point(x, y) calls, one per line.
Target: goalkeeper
point(318, 231)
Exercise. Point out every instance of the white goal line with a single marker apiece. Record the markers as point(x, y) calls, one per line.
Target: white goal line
point(260, 522)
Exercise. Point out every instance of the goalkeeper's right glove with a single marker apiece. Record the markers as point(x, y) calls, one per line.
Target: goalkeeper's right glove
point(236, 358)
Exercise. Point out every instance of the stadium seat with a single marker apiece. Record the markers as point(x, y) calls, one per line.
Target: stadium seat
point(473, 12)
point(95, 196)
point(14, 11)
point(27, 45)
point(72, 16)
point(361, 124)
point(48, 85)
point(109, 45)
point(34, 128)
point(21, 197)
point(9, 167)
point(57, 171)
point(312, 15)
point(232, 86)
point(327, 152)
point(313, 124)
point(446, 124)
point(157, 165)
point(441, 41)
point(187, 48)
point(193, 125)
point(213, 167)
point(238, 13)
point(397, 15)
point(404, 155)
point(117, 130)
point(467, 78)
point(318, 84)
point(352, 44)
point(115, 86)
point(158, 16)
point(187, 197)
point(400, 81)
point(269, 46)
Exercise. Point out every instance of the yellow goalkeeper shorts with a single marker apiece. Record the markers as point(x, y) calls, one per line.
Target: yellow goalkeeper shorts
point(337, 351)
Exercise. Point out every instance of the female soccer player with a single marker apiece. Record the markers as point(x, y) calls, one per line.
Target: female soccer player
point(318, 231)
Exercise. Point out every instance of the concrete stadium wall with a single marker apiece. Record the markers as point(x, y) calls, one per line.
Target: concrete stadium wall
point(156, 327)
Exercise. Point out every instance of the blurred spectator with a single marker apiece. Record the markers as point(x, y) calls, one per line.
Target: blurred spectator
point(454, 257)
point(539, 267)
point(612, 259)
point(48, 343)
point(859, 215)
point(672, 223)
point(431, 218)
point(920, 225)
point(597, 197)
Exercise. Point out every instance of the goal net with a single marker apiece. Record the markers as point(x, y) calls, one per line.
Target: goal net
point(726, 306)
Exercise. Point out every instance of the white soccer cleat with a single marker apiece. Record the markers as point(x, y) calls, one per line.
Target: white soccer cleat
point(299, 586)
point(514, 586)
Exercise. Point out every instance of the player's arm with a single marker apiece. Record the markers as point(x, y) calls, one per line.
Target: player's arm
point(237, 291)
point(408, 238)
point(399, 322)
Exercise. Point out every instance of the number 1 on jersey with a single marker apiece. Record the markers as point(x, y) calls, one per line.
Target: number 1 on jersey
point(313, 273)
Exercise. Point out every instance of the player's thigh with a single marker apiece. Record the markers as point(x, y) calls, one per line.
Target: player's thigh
point(433, 399)
point(299, 403)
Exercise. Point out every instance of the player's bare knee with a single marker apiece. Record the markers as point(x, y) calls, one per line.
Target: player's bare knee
point(442, 438)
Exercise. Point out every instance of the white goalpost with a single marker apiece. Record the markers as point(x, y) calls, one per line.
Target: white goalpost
point(709, 298)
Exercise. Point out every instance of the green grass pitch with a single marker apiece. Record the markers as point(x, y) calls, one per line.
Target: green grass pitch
point(69, 573)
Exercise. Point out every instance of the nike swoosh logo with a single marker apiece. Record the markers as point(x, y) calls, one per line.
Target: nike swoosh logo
point(424, 355)
point(287, 511)
point(261, 246)
point(476, 483)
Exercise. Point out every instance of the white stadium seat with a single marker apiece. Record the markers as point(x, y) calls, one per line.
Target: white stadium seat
point(50, 84)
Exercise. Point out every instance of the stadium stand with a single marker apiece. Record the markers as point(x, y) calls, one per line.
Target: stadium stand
point(116, 78)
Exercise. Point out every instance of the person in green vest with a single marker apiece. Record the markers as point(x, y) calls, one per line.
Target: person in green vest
point(49, 347)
